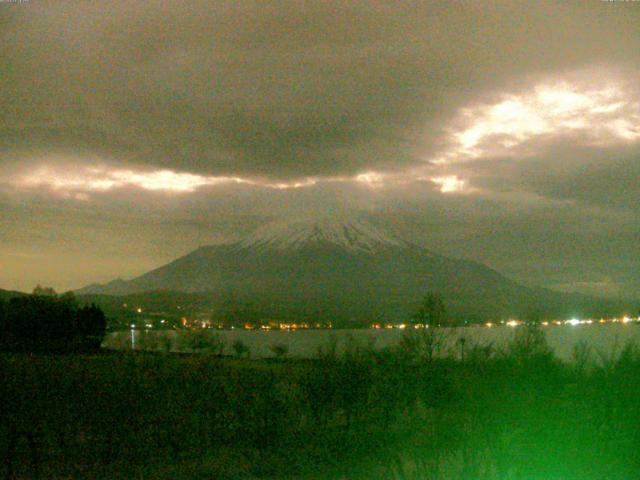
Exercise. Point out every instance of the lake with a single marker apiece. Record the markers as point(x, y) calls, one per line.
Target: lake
point(603, 339)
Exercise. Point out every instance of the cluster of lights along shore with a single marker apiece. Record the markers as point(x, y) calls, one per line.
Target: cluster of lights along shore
point(152, 321)
point(516, 323)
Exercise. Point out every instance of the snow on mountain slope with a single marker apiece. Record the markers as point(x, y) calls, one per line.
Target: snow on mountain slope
point(336, 270)
point(351, 235)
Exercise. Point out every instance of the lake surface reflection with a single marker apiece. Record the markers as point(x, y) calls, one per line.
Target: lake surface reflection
point(604, 339)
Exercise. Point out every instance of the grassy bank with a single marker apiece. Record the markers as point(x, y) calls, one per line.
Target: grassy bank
point(513, 414)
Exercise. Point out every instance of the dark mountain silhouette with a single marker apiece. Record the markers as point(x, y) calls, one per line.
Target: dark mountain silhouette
point(351, 272)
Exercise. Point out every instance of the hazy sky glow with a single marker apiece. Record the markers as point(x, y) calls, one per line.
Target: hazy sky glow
point(506, 132)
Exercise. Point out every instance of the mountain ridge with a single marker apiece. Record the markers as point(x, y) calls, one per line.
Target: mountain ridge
point(350, 270)
point(353, 235)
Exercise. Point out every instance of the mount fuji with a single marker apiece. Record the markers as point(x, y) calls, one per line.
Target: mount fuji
point(346, 271)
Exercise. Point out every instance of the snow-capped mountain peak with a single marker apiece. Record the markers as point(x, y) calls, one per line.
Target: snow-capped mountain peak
point(351, 235)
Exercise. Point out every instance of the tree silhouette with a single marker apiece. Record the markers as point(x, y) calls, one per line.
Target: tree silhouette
point(45, 321)
point(44, 291)
point(432, 311)
point(91, 325)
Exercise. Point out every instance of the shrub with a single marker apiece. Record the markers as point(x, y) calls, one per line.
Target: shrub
point(423, 344)
point(240, 349)
point(280, 350)
point(529, 344)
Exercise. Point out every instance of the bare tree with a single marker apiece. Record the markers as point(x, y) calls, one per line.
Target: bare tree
point(432, 311)
point(429, 338)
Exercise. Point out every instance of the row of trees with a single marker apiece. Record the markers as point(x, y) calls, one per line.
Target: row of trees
point(45, 321)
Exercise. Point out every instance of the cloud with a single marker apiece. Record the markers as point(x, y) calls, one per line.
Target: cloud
point(587, 109)
point(449, 183)
point(146, 128)
point(597, 112)
point(279, 91)
point(80, 180)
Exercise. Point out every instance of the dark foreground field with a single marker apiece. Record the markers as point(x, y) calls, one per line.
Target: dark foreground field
point(515, 414)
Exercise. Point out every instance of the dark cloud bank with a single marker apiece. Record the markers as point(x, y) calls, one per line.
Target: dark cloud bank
point(284, 91)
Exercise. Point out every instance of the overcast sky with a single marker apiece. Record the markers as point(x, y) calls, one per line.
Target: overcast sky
point(132, 132)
